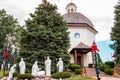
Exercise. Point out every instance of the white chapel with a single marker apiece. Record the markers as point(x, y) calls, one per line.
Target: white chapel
point(82, 34)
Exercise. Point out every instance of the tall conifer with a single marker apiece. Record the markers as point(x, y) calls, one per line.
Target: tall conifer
point(115, 34)
point(45, 35)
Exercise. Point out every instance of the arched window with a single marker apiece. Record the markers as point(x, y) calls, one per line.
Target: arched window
point(71, 9)
point(68, 10)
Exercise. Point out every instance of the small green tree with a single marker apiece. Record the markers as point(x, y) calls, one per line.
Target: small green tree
point(46, 35)
point(115, 34)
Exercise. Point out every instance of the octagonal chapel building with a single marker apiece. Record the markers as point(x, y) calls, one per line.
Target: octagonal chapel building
point(82, 34)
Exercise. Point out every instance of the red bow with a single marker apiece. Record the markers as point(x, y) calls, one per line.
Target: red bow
point(114, 56)
point(6, 55)
point(94, 48)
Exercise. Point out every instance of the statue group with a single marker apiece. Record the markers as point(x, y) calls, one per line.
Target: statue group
point(35, 69)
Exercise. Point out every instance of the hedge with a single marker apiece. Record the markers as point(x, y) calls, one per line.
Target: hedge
point(73, 67)
point(25, 76)
point(78, 71)
point(109, 71)
point(62, 75)
point(110, 63)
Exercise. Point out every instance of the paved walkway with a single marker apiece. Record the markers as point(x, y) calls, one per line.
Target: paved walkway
point(109, 78)
point(91, 73)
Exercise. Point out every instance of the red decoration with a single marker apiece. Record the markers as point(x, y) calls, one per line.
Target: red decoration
point(13, 59)
point(94, 48)
point(6, 55)
point(114, 56)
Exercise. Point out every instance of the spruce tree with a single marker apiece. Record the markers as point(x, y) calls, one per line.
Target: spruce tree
point(115, 34)
point(8, 25)
point(46, 35)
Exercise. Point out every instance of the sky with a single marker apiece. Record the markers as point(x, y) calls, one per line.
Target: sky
point(105, 52)
point(100, 12)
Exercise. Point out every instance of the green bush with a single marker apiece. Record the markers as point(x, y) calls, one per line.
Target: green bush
point(110, 63)
point(15, 74)
point(74, 66)
point(70, 65)
point(109, 71)
point(25, 76)
point(102, 67)
point(62, 75)
point(78, 71)
point(90, 65)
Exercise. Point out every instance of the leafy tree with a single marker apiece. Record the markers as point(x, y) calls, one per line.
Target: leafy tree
point(115, 34)
point(46, 35)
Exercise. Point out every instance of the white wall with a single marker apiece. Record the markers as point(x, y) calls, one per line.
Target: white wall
point(73, 41)
point(86, 36)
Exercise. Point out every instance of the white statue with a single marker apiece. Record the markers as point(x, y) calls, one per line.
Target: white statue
point(9, 37)
point(12, 70)
point(35, 69)
point(8, 66)
point(22, 66)
point(48, 67)
point(13, 48)
point(60, 65)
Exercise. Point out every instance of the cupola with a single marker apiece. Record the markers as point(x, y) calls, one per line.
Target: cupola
point(71, 7)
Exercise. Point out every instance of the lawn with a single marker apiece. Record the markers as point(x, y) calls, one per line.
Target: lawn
point(1, 74)
point(80, 78)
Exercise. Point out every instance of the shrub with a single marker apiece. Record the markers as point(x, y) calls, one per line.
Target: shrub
point(78, 71)
point(74, 66)
point(110, 63)
point(90, 65)
point(70, 65)
point(25, 76)
point(102, 67)
point(109, 71)
point(15, 74)
point(62, 75)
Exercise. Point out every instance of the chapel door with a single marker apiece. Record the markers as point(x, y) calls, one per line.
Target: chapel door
point(79, 60)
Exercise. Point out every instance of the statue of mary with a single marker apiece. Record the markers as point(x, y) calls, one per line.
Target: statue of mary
point(35, 69)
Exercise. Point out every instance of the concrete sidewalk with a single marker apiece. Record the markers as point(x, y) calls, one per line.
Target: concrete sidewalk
point(91, 73)
point(108, 78)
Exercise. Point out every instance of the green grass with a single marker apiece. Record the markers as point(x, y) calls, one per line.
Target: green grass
point(80, 78)
point(1, 74)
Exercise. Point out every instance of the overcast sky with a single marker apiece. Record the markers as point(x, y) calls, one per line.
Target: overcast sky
point(100, 12)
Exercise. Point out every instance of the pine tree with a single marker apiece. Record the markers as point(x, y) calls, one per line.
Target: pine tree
point(115, 34)
point(8, 26)
point(46, 35)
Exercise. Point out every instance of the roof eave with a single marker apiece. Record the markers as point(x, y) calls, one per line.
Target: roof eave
point(82, 25)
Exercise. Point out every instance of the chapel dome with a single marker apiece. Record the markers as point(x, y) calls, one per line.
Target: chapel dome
point(73, 17)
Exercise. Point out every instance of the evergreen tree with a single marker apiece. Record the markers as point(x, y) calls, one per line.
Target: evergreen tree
point(115, 34)
point(46, 35)
point(8, 26)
